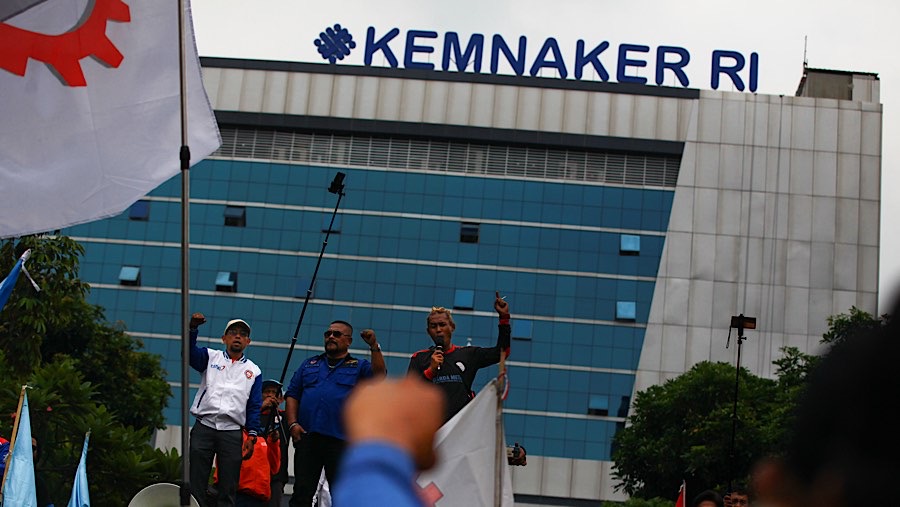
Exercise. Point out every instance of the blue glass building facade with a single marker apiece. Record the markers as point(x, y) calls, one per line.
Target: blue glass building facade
point(398, 245)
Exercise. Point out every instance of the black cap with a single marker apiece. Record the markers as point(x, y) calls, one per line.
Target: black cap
point(272, 383)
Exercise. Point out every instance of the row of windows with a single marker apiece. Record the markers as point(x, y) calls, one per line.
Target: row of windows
point(236, 216)
point(463, 299)
point(450, 156)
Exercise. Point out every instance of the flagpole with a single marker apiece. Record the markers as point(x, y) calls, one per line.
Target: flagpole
point(185, 158)
point(500, 444)
point(12, 441)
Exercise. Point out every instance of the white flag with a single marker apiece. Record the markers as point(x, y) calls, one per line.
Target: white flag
point(466, 472)
point(91, 109)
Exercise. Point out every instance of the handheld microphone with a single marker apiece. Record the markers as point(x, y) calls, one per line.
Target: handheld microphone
point(441, 349)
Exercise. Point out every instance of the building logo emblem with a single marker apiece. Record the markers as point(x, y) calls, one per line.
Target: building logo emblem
point(334, 43)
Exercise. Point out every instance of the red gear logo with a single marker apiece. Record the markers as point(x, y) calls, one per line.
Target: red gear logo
point(64, 52)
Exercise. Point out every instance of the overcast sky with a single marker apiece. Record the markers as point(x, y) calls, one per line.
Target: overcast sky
point(862, 36)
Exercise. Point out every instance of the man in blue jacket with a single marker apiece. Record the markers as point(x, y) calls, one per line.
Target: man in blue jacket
point(227, 402)
point(313, 404)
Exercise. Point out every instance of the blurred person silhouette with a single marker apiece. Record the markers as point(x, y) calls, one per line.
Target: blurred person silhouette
point(390, 430)
point(844, 446)
point(708, 498)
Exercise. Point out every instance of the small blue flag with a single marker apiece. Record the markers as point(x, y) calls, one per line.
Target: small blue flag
point(80, 496)
point(19, 489)
point(9, 282)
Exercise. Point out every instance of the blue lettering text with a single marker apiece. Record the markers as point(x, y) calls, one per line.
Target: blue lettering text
point(452, 47)
point(516, 62)
point(412, 49)
point(676, 67)
point(592, 58)
point(381, 45)
point(625, 62)
point(550, 45)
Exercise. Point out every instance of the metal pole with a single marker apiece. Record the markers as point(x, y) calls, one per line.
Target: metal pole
point(337, 187)
point(185, 158)
point(500, 455)
point(737, 378)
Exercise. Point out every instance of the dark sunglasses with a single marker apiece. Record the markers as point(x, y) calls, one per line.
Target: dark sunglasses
point(336, 334)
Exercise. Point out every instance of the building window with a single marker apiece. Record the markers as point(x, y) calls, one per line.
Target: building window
point(626, 310)
point(130, 275)
point(464, 299)
point(335, 228)
point(468, 232)
point(226, 281)
point(629, 244)
point(623, 406)
point(140, 210)
point(522, 329)
point(598, 405)
point(235, 216)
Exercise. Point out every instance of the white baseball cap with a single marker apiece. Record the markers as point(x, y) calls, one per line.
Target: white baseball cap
point(237, 321)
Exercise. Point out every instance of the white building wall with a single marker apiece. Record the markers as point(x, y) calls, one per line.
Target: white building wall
point(775, 216)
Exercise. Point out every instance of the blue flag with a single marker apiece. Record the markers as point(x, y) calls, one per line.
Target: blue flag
point(19, 489)
point(80, 496)
point(9, 282)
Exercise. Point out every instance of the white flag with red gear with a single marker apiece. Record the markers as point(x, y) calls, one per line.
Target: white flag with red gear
point(91, 108)
point(466, 446)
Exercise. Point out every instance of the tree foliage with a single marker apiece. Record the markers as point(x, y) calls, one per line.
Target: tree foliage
point(844, 325)
point(682, 428)
point(84, 373)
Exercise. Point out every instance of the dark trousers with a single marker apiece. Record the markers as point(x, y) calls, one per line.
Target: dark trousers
point(277, 488)
point(207, 442)
point(312, 453)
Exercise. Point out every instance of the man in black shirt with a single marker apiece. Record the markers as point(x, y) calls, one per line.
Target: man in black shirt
point(453, 368)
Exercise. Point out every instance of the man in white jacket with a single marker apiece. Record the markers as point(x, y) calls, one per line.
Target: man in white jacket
point(228, 401)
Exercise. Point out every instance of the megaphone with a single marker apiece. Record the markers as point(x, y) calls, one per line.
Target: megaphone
point(160, 495)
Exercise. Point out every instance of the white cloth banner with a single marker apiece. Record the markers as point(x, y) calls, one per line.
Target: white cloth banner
point(466, 474)
point(91, 109)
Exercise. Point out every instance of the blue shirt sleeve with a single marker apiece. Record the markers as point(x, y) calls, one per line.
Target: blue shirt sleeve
point(365, 369)
point(254, 403)
point(199, 355)
point(378, 472)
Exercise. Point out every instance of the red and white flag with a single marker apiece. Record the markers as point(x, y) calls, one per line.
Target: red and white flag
point(682, 499)
point(466, 446)
point(90, 101)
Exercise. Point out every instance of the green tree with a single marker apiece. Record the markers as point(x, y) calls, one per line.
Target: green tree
point(844, 325)
point(682, 430)
point(85, 374)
